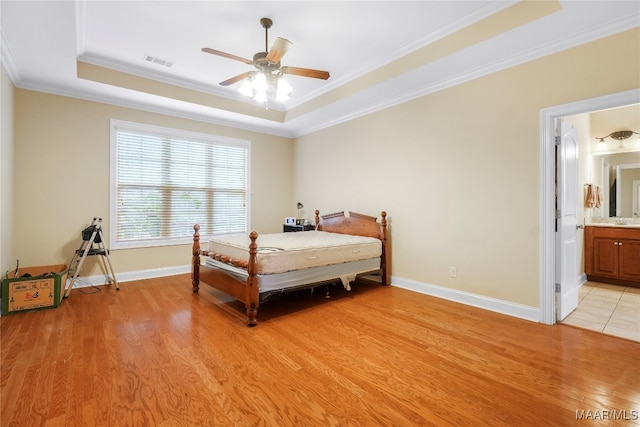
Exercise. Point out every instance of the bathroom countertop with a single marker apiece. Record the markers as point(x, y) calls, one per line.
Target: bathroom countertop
point(609, 224)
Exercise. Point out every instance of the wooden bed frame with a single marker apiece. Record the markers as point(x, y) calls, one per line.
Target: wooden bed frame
point(248, 291)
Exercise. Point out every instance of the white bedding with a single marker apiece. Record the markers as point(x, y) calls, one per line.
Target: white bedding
point(282, 252)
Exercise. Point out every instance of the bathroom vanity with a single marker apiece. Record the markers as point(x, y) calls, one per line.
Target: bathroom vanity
point(612, 254)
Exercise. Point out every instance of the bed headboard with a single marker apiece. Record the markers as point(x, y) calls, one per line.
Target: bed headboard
point(356, 223)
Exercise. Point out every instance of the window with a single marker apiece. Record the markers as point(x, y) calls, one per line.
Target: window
point(163, 181)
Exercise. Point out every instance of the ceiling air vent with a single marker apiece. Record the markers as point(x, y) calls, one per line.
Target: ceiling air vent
point(159, 61)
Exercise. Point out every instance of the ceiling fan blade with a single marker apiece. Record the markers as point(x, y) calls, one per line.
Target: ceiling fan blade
point(306, 72)
point(226, 55)
point(279, 48)
point(235, 79)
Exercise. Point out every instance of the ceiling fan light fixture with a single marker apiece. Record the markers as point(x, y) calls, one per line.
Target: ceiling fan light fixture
point(269, 72)
point(246, 88)
point(281, 97)
point(284, 90)
point(260, 82)
point(260, 96)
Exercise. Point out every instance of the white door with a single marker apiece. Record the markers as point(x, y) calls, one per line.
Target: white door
point(567, 221)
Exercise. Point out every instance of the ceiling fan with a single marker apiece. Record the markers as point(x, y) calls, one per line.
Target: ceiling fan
point(268, 64)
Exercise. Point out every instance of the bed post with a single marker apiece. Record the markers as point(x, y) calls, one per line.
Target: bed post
point(195, 260)
point(317, 219)
point(383, 237)
point(252, 296)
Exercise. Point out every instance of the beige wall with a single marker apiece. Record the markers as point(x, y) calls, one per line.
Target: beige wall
point(458, 170)
point(7, 260)
point(62, 179)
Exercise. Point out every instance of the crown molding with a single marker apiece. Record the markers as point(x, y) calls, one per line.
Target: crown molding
point(457, 25)
point(239, 122)
point(8, 62)
point(372, 102)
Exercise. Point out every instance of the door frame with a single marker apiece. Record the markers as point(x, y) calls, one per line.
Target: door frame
point(547, 213)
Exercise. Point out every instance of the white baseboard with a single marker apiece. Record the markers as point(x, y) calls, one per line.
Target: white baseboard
point(98, 280)
point(582, 279)
point(487, 303)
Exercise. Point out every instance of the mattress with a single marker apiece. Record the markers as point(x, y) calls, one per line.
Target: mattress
point(282, 252)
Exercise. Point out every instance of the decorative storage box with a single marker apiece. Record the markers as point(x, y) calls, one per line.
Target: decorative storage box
point(43, 289)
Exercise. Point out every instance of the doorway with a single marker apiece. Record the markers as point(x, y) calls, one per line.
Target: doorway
point(548, 117)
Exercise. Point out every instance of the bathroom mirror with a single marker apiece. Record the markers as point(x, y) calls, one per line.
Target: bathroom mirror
point(619, 177)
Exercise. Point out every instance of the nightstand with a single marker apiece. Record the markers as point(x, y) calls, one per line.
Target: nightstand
point(287, 228)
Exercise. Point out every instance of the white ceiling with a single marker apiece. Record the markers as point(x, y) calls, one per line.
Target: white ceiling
point(43, 40)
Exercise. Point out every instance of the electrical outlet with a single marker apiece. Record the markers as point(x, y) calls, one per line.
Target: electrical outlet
point(453, 272)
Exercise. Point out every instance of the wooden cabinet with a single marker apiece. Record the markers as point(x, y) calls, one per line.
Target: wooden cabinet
point(612, 255)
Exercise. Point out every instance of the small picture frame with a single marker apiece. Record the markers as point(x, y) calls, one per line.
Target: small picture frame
point(290, 220)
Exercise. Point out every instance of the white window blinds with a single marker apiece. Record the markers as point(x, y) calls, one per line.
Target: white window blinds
point(164, 181)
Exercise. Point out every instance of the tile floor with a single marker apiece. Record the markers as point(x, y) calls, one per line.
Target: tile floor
point(610, 309)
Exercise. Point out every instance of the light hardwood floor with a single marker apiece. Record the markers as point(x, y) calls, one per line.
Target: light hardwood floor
point(154, 354)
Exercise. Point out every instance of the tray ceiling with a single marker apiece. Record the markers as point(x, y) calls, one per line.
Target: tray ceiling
point(147, 54)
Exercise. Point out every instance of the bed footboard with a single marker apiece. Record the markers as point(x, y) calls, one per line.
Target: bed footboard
point(246, 292)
